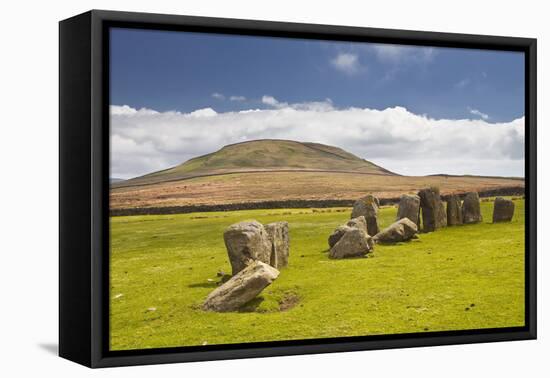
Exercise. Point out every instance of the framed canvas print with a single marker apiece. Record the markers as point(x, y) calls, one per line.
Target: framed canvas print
point(234, 188)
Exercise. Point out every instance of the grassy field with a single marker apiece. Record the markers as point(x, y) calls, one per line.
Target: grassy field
point(162, 268)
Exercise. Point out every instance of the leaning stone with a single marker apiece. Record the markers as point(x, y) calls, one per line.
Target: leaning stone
point(246, 242)
point(454, 210)
point(409, 207)
point(280, 243)
point(337, 234)
point(431, 209)
point(241, 288)
point(503, 210)
point(368, 207)
point(402, 230)
point(471, 212)
point(354, 243)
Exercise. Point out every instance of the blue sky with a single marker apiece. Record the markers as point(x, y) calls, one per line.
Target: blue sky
point(413, 110)
point(181, 71)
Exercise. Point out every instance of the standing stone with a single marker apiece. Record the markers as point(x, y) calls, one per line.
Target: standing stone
point(280, 243)
point(354, 243)
point(433, 209)
point(402, 230)
point(409, 207)
point(471, 212)
point(503, 210)
point(246, 242)
point(241, 288)
point(368, 207)
point(454, 210)
point(441, 215)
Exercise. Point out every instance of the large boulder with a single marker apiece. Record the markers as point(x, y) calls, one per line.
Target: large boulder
point(503, 210)
point(337, 234)
point(402, 230)
point(409, 207)
point(280, 243)
point(241, 288)
point(433, 209)
point(471, 212)
point(354, 243)
point(246, 242)
point(454, 210)
point(359, 222)
point(368, 207)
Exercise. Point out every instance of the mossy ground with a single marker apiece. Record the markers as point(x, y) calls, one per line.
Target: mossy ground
point(162, 268)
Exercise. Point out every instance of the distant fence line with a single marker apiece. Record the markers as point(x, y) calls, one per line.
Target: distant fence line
point(288, 204)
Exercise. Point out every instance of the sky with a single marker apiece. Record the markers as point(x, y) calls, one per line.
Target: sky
point(414, 110)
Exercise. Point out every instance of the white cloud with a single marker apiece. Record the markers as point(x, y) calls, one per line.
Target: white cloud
point(206, 112)
point(272, 101)
point(397, 54)
point(462, 83)
point(347, 63)
point(218, 96)
point(478, 113)
point(144, 140)
point(237, 98)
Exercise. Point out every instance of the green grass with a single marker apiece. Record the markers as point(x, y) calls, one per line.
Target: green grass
point(465, 277)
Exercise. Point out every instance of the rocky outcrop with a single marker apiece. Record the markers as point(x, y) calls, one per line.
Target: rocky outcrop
point(368, 207)
point(471, 211)
point(247, 242)
point(402, 230)
point(503, 210)
point(353, 243)
point(409, 207)
point(454, 210)
point(277, 233)
point(241, 288)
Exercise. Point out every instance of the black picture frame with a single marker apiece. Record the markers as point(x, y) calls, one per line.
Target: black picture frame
point(84, 187)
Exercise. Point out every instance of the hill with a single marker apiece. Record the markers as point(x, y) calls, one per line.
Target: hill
point(261, 156)
point(282, 173)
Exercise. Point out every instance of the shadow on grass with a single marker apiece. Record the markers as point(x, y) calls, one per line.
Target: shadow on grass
point(205, 285)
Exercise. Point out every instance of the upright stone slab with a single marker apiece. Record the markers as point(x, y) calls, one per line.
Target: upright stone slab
point(454, 210)
point(471, 212)
point(409, 207)
point(280, 243)
point(503, 210)
point(368, 207)
point(246, 242)
point(431, 209)
point(241, 288)
point(440, 215)
point(354, 243)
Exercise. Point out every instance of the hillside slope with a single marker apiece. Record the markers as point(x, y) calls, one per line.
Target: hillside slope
point(263, 155)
